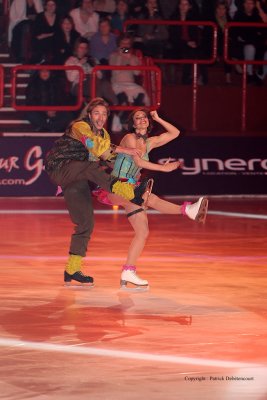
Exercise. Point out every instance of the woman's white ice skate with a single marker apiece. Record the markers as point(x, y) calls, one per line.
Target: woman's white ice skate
point(129, 276)
point(197, 211)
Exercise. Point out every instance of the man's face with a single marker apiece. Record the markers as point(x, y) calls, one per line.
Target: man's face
point(249, 6)
point(44, 74)
point(152, 3)
point(221, 10)
point(99, 116)
point(82, 50)
point(104, 28)
point(125, 44)
point(87, 5)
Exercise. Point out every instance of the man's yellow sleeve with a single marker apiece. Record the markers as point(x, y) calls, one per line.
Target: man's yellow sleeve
point(95, 144)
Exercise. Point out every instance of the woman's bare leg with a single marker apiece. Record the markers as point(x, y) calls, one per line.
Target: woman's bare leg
point(163, 206)
point(139, 224)
point(196, 211)
point(117, 200)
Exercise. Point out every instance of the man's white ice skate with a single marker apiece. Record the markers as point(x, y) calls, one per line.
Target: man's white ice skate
point(197, 211)
point(129, 276)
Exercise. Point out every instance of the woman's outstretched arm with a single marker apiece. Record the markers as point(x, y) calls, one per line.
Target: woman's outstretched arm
point(171, 132)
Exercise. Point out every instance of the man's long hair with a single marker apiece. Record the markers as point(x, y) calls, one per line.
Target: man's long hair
point(84, 114)
point(97, 101)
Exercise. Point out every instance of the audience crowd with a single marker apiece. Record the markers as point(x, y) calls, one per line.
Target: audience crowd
point(90, 32)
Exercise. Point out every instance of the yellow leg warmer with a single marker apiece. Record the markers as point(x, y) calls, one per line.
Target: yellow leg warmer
point(74, 264)
point(123, 189)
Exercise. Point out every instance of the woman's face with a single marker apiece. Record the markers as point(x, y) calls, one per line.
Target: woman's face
point(140, 120)
point(66, 25)
point(184, 6)
point(51, 7)
point(99, 116)
point(122, 7)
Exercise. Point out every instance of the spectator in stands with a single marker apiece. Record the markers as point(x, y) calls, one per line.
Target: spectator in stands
point(186, 41)
point(152, 38)
point(120, 15)
point(103, 43)
point(82, 58)
point(45, 27)
point(221, 17)
point(205, 8)
point(65, 40)
point(85, 19)
point(249, 41)
point(124, 81)
point(104, 7)
point(44, 89)
point(136, 8)
point(21, 16)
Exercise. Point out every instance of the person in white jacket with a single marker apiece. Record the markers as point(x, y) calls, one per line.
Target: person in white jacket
point(123, 81)
point(85, 19)
point(82, 58)
point(21, 16)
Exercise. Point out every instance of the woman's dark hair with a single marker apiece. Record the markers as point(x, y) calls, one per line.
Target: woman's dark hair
point(47, 1)
point(104, 19)
point(69, 18)
point(131, 127)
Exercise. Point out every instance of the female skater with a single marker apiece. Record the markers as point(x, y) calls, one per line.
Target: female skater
point(128, 168)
